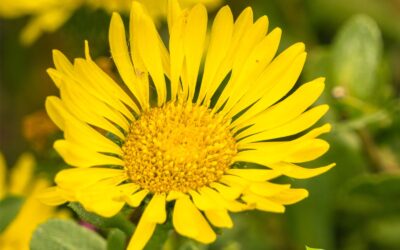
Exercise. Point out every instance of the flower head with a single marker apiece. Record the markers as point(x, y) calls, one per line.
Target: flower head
point(205, 127)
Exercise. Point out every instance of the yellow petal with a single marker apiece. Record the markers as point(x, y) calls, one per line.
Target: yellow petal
point(142, 234)
point(155, 211)
point(95, 81)
point(120, 54)
point(220, 39)
point(150, 52)
point(219, 218)
point(278, 78)
point(173, 195)
point(21, 174)
point(301, 123)
point(102, 198)
point(266, 189)
point(194, 38)
point(243, 23)
point(108, 90)
point(260, 56)
point(77, 178)
point(203, 202)
point(62, 63)
point(177, 54)
point(228, 192)
point(136, 199)
point(189, 222)
point(286, 110)
point(52, 196)
point(174, 11)
point(254, 174)
point(263, 204)
point(86, 111)
point(78, 156)
point(290, 196)
point(57, 112)
point(79, 133)
point(310, 150)
point(3, 172)
point(297, 172)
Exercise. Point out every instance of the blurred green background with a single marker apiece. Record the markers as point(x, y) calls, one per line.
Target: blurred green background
point(355, 44)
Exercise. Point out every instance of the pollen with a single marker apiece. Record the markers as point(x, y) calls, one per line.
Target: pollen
point(178, 147)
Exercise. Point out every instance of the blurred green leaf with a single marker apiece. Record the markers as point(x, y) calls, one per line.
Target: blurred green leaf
point(65, 235)
point(356, 54)
point(385, 231)
point(116, 239)
point(372, 194)
point(118, 221)
point(9, 208)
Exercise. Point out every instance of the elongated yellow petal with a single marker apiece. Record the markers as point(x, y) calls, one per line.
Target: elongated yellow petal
point(298, 172)
point(94, 105)
point(21, 174)
point(52, 196)
point(286, 110)
point(3, 172)
point(219, 218)
point(194, 38)
point(78, 156)
point(62, 63)
point(97, 82)
point(263, 204)
point(276, 81)
point(174, 11)
point(290, 196)
point(85, 110)
point(136, 199)
point(266, 189)
point(79, 133)
point(309, 151)
point(220, 39)
point(228, 192)
point(189, 222)
point(155, 211)
point(243, 23)
point(254, 174)
point(120, 54)
point(260, 56)
point(78, 178)
point(142, 234)
point(203, 202)
point(301, 123)
point(149, 50)
point(177, 53)
point(57, 112)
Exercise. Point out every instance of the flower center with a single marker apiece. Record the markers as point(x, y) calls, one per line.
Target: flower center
point(178, 147)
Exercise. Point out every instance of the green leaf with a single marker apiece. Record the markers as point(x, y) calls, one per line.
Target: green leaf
point(356, 55)
point(65, 235)
point(118, 221)
point(116, 240)
point(9, 208)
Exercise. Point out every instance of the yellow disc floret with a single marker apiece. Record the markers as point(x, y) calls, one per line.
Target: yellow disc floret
point(178, 147)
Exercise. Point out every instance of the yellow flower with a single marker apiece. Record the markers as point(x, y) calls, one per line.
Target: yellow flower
point(17, 234)
point(179, 136)
point(49, 15)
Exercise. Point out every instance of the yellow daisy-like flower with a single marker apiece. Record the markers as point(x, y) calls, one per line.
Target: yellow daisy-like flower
point(190, 145)
point(17, 235)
